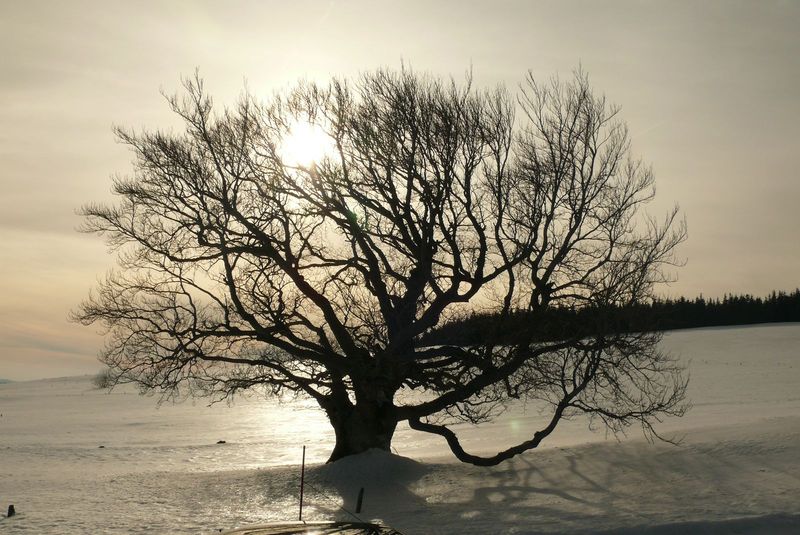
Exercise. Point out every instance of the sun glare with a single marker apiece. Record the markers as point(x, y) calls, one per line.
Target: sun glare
point(306, 144)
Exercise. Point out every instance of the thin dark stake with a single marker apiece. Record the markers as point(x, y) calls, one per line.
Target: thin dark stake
point(302, 482)
point(360, 500)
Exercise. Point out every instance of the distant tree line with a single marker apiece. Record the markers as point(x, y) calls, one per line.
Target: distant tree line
point(659, 314)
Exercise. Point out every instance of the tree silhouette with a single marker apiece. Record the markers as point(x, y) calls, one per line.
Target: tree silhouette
point(239, 269)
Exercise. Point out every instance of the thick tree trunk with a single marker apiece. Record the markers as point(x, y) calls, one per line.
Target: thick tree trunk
point(362, 427)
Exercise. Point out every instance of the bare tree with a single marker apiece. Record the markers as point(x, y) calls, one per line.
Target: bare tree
point(238, 268)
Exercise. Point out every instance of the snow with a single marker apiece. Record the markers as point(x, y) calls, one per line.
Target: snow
point(161, 469)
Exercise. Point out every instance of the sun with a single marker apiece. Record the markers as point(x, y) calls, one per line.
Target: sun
point(305, 144)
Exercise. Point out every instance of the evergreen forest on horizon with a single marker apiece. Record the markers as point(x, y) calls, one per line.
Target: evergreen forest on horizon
point(661, 314)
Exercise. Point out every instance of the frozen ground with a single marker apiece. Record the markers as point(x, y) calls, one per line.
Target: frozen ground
point(161, 470)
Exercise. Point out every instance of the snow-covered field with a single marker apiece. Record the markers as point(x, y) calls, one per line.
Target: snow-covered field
point(160, 469)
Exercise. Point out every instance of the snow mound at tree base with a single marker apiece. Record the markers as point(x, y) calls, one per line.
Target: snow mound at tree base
point(373, 466)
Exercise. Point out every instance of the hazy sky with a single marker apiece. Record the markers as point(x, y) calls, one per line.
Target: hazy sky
point(709, 90)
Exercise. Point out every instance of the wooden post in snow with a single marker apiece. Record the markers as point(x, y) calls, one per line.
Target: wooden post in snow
point(360, 500)
point(302, 482)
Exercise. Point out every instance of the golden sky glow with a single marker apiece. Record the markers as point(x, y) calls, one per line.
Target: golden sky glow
point(306, 144)
point(709, 91)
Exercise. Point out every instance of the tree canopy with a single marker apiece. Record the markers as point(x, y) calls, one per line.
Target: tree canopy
point(239, 267)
